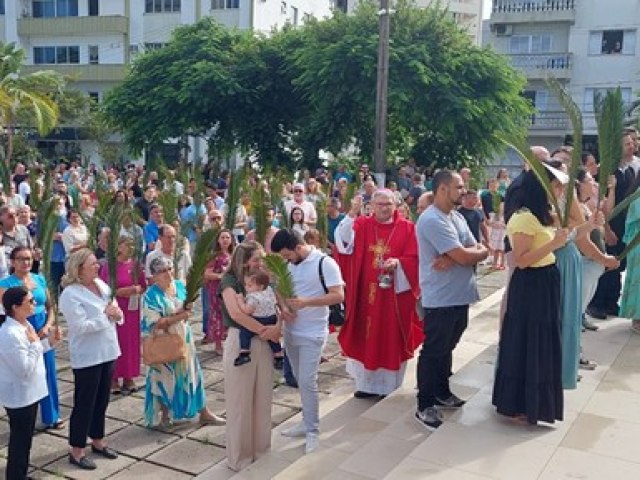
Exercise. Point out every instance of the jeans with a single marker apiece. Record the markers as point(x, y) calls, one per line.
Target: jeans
point(443, 328)
point(246, 335)
point(610, 283)
point(287, 372)
point(22, 422)
point(304, 354)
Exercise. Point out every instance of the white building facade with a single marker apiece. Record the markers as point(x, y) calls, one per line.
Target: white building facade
point(591, 46)
point(95, 40)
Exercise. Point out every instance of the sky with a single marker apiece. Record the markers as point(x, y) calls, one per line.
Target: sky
point(487, 9)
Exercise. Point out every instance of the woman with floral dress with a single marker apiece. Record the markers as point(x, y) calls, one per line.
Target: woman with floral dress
point(216, 332)
point(173, 389)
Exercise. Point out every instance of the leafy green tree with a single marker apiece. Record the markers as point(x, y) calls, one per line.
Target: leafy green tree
point(26, 100)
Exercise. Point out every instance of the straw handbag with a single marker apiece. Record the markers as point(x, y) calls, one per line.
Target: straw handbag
point(163, 347)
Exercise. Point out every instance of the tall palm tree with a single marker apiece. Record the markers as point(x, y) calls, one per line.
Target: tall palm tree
point(26, 100)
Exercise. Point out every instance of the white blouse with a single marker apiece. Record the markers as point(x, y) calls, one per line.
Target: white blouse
point(92, 336)
point(74, 237)
point(22, 374)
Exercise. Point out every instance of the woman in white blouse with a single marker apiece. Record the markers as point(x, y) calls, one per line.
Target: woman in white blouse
point(91, 317)
point(22, 376)
point(75, 236)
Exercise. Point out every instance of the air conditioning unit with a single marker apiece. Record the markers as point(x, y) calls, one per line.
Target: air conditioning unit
point(504, 30)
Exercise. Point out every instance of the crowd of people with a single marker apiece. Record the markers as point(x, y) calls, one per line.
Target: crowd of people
point(401, 257)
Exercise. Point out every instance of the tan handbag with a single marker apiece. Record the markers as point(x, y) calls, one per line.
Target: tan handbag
point(163, 347)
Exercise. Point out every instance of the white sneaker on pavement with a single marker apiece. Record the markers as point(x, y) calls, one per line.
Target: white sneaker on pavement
point(298, 430)
point(312, 442)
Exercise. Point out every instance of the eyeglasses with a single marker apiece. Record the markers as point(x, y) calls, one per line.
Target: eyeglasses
point(23, 259)
point(298, 191)
point(164, 270)
point(215, 218)
point(30, 301)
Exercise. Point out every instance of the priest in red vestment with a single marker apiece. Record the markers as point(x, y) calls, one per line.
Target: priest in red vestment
point(378, 256)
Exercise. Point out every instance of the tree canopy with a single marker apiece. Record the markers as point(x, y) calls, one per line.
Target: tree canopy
point(283, 97)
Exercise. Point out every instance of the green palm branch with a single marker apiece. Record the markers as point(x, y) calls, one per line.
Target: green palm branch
point(233, 198)
point(202, 255)
point(538, 169)
point(610, 121)
point(575, 116)
point(259, 208)
point(113, 221)
point(168, 200)
point(5, 175)
point(322, 223)
point(278, 267)
point(352, 188)
point(48, 220)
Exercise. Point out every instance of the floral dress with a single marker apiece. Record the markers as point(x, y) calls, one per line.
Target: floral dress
point(216, 331)
point(179, 386)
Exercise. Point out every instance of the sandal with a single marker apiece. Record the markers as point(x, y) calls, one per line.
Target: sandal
point(129, 389)
point(59, 425)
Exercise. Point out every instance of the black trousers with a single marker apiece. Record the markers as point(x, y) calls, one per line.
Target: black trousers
point(443, 328)
point(90, 401)
point(22, 422)
point(610, 283)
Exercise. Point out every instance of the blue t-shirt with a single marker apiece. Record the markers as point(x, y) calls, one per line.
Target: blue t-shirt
point(151, 233)
point(333, 224)
point(58, 253)
point(189, 219)
point(437, 234)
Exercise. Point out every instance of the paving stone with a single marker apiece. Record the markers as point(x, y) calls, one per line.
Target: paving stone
point(130, 409)
point(188, 456)
point(145, 470)
point(110, 426)
point(281, 413)
point(211, 377)
point(330, 383)
point(139, 442)
point(212, 434)
point(106, 468)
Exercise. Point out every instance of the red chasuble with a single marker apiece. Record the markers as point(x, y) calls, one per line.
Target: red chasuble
point(382, 328)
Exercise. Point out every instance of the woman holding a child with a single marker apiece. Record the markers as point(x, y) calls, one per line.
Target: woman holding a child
point(249, 387)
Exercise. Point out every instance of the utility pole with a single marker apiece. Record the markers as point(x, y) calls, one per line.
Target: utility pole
point(381, 93)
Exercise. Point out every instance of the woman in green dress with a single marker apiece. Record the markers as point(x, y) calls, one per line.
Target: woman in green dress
point(173, 389)
point(630, 303)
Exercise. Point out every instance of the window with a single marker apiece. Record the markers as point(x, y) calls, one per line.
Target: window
point(519, 44)
point(150, 46)
point(217, 4)
point(1, 7)
point(283, 8)
point(161, 6)
point(93, 55)
point(55, 8)
point(294, 15)
point(94, 9)
point(233, 3)
point(592, 94)
point(612, 42)
point(56, 55)
point(94, 97)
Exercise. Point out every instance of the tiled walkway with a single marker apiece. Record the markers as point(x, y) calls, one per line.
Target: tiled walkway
point(362, 439)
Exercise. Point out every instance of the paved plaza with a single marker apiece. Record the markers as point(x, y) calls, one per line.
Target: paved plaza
point(363, 439)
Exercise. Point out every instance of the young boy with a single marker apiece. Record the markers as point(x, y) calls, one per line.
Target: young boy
point(259, 302)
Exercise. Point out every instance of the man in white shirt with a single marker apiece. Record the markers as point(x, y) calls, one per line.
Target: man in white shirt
point(168, 241)
point(308, 208)
point(307, 328)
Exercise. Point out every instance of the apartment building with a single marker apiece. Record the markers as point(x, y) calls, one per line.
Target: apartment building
point(95, 40)
point(591, 46)
point(466, 13)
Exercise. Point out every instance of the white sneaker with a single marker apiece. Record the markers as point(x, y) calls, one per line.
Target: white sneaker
point(299, 430)
point(312, 442)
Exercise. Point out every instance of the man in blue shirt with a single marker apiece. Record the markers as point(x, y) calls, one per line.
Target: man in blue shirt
point(151, 231)
point(334, 218)
point(447, 254)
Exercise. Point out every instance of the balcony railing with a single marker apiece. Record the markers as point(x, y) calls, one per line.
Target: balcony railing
point(512, 6)
point(543, 61)
point(554, 120)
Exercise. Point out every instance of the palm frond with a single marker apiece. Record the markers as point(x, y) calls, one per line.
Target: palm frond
point(610, 121)
point(278, 267)
point(233, 198)
point(113, 221)
point(259, 207)
point(538, 169)
point(202, 255)
point(168, 200)
point(630, 246)
point(48, 220)
point(352, 188)
point(575, 116)
point(322, 224)
point(5, 175)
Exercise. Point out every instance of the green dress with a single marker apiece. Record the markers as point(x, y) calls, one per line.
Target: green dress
point(630, 303)
point(179, 385)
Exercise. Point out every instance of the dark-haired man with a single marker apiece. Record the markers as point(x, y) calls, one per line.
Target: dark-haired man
point(305, 331)
point(447, 253)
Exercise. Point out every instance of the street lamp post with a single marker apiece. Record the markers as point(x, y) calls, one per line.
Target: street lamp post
point(381, 93)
